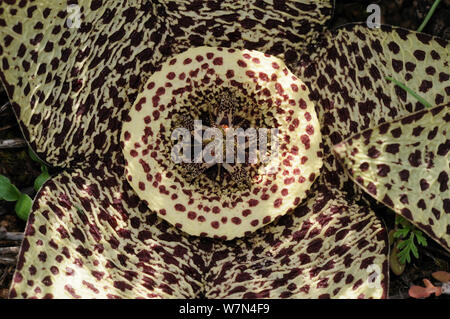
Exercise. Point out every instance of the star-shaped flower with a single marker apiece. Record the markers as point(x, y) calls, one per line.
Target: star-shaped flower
point(94, 233)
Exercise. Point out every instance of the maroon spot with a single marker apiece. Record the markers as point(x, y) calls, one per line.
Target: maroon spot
point(250, 74)
point(383, 170)
point(242, 64)
point(387, 200)
point(215, 224)
point(371, 188)
point(253, 202)
point(305, 140)
point(246, 212)
point(373, 152)
point(236, 220)
point(364, 166)
point(396, 132)
point(443, 181)
point(192, 215)
point(314, 246)
point(180, 207)
point(415, 159)
point(263, 76)
point(218, 61)
point(423, 184)
point(420, 55)
point(404, 175)
point(277, 203)
point(421, 204)
point(266, 219)
point(393, 148)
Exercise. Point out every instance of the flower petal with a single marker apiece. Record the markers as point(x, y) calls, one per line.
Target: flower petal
point(269, 97)
point(347, 81)
point(330, 247)
point(347, 76)
point(405, 165)
point(71, 71)
point(89, 236)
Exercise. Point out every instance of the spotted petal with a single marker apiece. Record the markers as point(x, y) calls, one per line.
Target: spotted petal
point(72, 69)
point(405, 165)
point(270, 97)
point(347, 79)
point(329, 247)
point(91, 237)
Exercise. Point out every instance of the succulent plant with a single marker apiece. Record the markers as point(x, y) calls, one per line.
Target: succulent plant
point(99, 228)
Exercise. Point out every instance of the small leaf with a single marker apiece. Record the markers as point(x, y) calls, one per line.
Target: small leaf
point(402, 245)
point(401, 233)
point(414, 250)
point(412, 245)
point(8, 191)
point(421, 239)
point(23, 206)
point(34, 157)
point(41, 179)
point(403, 256)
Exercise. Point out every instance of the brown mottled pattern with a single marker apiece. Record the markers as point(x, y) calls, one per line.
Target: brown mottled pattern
point(90, 236)
point(272, 97)
point(405, 165)
point(71, 87)
point(347, 81)
point(329, 247)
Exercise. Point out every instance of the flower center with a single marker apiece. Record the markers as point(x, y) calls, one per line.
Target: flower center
point(221, 142)
point(225, 158)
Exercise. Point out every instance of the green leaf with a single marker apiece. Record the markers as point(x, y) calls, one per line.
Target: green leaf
point(23, 206)
point(421, 239)
point(401, 233)
point(404, 256)
point(403, 244)
point(414, 250)
point(41, 179)
point(34, 157)
point(8, 191)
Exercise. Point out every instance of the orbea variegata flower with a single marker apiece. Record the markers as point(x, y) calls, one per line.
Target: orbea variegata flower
point(108, 226)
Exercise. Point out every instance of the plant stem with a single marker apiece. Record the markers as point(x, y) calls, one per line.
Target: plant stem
point(9, 251)
point(12, 236)
point(429, 15)
point(13, 143)
point(7, 261)
point(4, 107)
point(6, 127)
point(407, 89)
